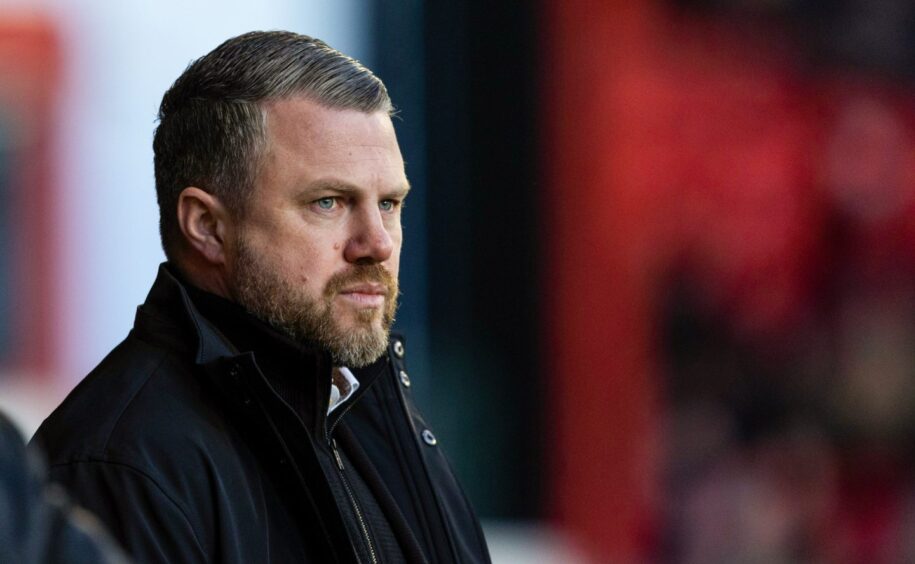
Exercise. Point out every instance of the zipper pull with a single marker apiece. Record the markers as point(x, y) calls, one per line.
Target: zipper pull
point(336, 454)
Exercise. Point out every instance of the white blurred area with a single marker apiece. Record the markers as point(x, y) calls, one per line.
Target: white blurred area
point(118, 58)
point(530, 543)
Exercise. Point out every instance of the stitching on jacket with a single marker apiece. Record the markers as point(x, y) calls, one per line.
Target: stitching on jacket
point(158, 487)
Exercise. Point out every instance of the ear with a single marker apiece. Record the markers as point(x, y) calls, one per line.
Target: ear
point(204, 222)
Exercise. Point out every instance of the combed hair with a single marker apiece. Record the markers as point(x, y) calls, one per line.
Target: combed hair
point(211, 131)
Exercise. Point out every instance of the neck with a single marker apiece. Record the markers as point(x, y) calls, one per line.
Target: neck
point(205, 277)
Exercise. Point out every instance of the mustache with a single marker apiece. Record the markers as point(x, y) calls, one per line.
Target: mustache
point(371, 273)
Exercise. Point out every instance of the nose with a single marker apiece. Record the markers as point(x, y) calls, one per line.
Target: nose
point(369, 242)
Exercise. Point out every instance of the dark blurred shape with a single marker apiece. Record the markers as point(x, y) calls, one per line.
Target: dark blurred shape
point(470, 69)
point(484, 211)
point(877, 35)
point(38, 523)
point(871, 35)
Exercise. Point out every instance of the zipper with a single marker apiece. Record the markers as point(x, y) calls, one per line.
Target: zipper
point(352, 499)
point(333, 444)
point(330, 431)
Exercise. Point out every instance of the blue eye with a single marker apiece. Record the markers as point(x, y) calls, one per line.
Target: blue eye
point(326, 203)
point(386, 205)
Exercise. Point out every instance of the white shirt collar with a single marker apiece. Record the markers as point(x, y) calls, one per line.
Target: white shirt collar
point(337, 397)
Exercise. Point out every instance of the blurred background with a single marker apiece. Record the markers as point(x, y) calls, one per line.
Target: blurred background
point(659, 269)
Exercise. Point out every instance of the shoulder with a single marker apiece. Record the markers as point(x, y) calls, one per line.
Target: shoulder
point(140, 438)
point(139, 401)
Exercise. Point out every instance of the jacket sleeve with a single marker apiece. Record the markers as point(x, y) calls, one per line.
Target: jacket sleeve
point(140, 514)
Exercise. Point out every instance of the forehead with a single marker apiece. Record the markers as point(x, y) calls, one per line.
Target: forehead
point(316, 140)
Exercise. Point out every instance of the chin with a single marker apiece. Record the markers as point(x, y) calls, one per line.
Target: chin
point(361, 318)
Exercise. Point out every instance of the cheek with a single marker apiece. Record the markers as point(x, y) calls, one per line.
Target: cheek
point(393, 263)
point(300, 263)
point(314, 265)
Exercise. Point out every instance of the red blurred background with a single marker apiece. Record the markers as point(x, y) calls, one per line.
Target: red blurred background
point(732, 254)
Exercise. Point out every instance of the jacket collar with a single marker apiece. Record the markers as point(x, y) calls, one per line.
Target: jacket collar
point(213, 330)
point(169, 317)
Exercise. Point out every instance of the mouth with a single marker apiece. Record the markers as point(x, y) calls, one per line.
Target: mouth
point(365, 295)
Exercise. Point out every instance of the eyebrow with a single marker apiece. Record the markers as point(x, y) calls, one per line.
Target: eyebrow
point(340, 187)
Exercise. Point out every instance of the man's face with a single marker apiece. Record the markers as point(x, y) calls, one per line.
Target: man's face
point(318, 250)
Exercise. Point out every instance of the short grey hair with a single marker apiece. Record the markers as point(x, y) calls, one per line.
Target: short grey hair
point(211, 131)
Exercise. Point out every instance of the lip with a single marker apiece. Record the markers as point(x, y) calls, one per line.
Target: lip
point(369, 289)
point(365, 295)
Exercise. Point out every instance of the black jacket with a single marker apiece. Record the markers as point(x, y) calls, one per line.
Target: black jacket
point(186, 450)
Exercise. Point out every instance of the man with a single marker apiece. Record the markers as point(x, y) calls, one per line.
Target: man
point(259, 411)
